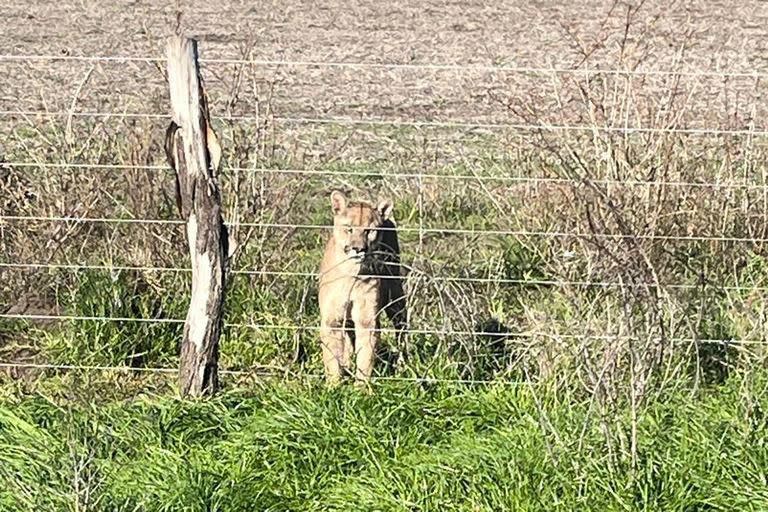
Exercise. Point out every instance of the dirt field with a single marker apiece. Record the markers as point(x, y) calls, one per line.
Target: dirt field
point(687, 36)
point(725, 35)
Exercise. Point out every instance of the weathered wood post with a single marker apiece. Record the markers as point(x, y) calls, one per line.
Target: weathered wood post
point(194, 154)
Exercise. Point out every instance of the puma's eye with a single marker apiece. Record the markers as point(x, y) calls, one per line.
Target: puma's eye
point(349, 230)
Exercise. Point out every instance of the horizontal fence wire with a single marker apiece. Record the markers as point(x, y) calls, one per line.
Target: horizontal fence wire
point(405, 229)
point(462, 68)
point(740, 184)
point(441, 332)
point(263, 372)
point(420, 276)
point(356, 173)
point(412, 123)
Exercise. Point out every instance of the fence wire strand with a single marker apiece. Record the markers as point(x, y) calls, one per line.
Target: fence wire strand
point(437, 332)
point(462, 68)
point(521, 180)
point(261, 373)
point(524, 180)
point(400, 122)
point(422, 275)
point(404, 229)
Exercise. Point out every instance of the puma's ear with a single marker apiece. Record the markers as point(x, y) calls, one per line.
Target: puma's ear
point(338, 202)
point(385, 209)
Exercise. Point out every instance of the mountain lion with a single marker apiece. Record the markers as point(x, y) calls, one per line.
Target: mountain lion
point(359, 277)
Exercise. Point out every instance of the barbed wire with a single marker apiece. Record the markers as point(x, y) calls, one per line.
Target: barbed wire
point(421, 275)
point(403, 229)
point(349, 173)
point(412, 123)
point(399, 66)
point(440, 332)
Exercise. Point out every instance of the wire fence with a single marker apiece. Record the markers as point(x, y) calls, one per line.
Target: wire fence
point(407, 123)
point(462, 68)
point(465, 124)
point(524, 180)
point(420, 230)
point(259, 372)
point(421, 275)
point(431, 332)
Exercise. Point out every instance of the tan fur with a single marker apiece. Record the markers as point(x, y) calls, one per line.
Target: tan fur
point(351, 293)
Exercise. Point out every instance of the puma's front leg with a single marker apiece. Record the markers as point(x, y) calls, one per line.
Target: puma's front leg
point(366, 338)
point(332, 344)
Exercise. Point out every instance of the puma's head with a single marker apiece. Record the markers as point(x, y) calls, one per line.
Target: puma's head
point(356, 224)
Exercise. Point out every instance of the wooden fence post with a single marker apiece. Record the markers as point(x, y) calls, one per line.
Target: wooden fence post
point(194, 154)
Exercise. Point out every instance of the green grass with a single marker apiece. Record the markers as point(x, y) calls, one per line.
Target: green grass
point(118, 294)
point(282, 446)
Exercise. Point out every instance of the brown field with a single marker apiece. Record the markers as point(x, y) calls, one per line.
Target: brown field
point(681, 36)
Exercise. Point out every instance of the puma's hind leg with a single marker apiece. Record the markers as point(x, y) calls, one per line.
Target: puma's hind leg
point(397, 312)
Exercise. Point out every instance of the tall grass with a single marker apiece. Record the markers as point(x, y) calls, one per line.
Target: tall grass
point(439, 447)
